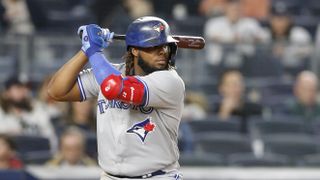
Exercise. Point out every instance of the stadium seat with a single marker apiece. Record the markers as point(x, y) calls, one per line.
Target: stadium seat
point(33, 149)
point(293, 146)
point(311, 160)
point(15, 175)
point(260, 128)
point(223, 144)
point(293, 6)
point(277, 103)
point(185, 138)
point(253, 161)
point(91, 145)
point(214, 125)
point(193, 26)
point(262, 64)
point(201, 159)
point(315, 125)
point(313, 6)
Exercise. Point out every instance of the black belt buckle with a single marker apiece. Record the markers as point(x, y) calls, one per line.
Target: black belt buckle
point(156, 173)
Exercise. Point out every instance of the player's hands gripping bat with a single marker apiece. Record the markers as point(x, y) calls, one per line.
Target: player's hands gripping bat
point(94, 38)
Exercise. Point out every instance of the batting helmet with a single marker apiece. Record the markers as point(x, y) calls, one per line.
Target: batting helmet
point(150, 31)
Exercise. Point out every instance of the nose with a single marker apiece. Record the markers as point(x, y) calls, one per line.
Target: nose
point(163, 49)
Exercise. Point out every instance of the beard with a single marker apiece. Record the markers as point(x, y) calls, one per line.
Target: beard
point(147, 68)
point(24, 104)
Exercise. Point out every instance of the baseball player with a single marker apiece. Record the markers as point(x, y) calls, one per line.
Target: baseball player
point(139, 102)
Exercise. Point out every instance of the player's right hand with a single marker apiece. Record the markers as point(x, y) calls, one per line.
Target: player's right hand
point(94, 38)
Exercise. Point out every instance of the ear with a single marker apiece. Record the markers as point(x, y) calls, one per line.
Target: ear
point(134, 51)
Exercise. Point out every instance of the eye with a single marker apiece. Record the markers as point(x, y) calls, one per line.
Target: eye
point(165, 47)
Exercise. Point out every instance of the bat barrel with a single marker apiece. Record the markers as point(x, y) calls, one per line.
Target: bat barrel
point(190, 42)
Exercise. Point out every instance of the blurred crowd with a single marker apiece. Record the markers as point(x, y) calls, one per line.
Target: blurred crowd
point(260, 60)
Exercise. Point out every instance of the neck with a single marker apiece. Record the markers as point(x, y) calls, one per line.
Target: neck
point(137, 69)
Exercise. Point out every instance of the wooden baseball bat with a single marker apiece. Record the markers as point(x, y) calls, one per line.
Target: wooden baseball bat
point(188, 42)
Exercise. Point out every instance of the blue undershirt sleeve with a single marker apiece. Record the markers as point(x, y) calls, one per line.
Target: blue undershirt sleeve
point(101, 67)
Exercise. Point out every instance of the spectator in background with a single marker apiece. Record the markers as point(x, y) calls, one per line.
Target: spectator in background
point(8, 157)
point(2, 19)
point(305, 103)
point(234, 103)
point(123, 13)
point(291, 44)
point(18, 17)
point(256, 9)
point(82, 116)
point(138, 8)
point(232, 29)
point(72, 150)
point(57, 111)
point(195, 107)
point(211, 8)
point(20, 115)
point(251, 8)
point(104, 10)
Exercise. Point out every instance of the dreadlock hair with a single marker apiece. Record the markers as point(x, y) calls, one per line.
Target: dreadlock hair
point(129, 63)
point(128, 58)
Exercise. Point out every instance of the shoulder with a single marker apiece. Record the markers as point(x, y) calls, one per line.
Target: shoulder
point(216, 21)
point(55, 161)
point(299, 35)
point(165, 73)
point(164, 82)
point(249, 22)
point(121, 67)
point(87, 161)
point(166, 76)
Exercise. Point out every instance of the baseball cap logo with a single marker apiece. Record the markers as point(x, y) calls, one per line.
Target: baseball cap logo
point(159, 27)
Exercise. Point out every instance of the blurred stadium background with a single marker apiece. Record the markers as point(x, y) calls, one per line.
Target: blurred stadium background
point(39, 36)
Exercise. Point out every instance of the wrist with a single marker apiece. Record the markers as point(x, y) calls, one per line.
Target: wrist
point(91, 51)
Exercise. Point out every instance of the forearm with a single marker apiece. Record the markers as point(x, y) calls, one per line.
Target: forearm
point(64, 80)
point(101, 67)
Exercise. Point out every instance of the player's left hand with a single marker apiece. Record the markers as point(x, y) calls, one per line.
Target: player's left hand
point(94, 38)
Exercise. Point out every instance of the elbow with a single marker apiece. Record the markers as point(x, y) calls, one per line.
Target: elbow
point(52, 95)
point(111, 87)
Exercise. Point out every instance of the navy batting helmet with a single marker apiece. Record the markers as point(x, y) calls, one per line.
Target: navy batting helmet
point(150, 31)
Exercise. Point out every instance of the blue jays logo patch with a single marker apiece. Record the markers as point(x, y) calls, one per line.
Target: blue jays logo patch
point(159, 27)
point(142, 128)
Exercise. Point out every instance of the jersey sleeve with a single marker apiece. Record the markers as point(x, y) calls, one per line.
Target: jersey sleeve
point(163, 89)
point(88, 85)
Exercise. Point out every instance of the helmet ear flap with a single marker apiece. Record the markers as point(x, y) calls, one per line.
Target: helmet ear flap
point(173, 48)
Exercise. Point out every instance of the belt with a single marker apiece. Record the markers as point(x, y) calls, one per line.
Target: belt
point(156, 173)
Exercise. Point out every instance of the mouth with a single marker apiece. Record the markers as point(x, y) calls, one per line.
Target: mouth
point(162, 61)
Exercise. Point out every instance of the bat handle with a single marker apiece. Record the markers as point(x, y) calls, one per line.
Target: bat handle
point(115, 36)
point(119, 36)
